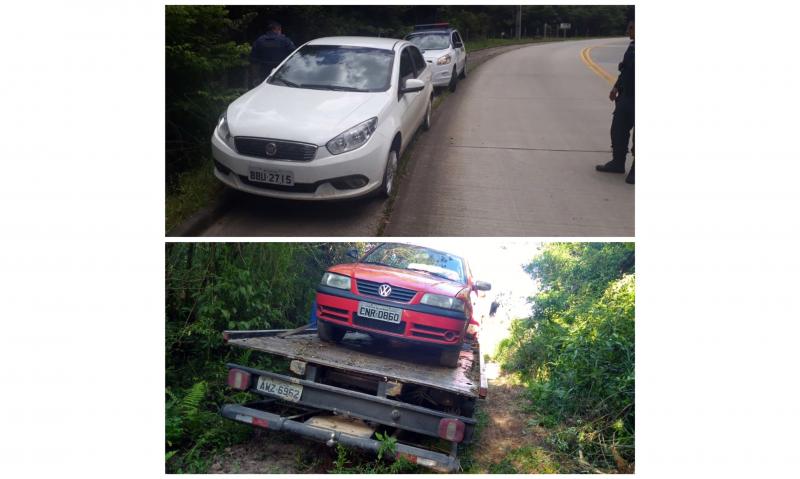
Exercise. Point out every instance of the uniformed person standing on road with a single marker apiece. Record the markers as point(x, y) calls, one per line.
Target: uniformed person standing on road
point(622, 124)
point(268, 51)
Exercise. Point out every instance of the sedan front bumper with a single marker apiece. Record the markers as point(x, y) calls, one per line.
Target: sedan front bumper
point(313, 180)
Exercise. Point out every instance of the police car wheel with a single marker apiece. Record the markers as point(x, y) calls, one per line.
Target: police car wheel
point(426, 123)
point(464, 71)
point(454, 79)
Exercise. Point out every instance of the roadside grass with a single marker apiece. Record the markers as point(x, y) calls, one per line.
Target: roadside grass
point(475, 45)
point(196, 189)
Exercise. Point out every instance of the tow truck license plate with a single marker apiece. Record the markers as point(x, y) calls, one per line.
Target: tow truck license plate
point(381, 313)
point(272, 177)
point(284, 390)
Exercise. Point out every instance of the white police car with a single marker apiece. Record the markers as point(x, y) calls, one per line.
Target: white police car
point(444, 51)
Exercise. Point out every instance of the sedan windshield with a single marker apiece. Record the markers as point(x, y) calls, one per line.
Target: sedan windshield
point(430, 41)
point(418, 258)
point(329, 67)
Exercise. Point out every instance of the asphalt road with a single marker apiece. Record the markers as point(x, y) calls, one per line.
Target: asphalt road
point(511, 153)
point(516, 154)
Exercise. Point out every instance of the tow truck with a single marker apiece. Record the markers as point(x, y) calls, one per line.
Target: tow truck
point(347, 392)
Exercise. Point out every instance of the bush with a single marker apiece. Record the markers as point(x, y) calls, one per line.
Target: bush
point(576, 352)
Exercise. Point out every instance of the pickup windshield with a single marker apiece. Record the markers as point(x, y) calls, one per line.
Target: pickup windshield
point(418, 258)
point(337, 68)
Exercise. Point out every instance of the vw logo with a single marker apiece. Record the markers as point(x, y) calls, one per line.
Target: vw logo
point(271, 149)
point(384, 290)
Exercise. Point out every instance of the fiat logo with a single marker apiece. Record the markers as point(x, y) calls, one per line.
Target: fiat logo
point(384, 290)
point(271, 149)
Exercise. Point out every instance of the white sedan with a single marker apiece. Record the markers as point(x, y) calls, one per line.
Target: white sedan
point(329, 122)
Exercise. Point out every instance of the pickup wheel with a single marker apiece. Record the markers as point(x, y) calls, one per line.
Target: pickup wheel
point(449, 357)
point(329, 333)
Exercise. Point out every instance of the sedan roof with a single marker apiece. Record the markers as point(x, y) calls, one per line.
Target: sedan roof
point(368, 42)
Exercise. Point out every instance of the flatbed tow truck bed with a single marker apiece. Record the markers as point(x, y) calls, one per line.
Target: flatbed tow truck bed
point(346, 392)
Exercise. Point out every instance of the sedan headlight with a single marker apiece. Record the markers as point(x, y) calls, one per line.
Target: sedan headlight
point(336, 281)
point(224, 131)
point(440, 301)
point(353, 138)
point(444, 60)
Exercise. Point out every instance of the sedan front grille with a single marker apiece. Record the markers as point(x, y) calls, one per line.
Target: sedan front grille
point(283, 150)
point(398, 294)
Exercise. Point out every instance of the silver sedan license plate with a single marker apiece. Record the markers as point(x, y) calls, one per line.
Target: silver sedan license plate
point(284, 390)
point(272, 177)
point(379, 312)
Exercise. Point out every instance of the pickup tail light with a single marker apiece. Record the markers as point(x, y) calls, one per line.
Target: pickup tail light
point(238, 379)
point(451, 429)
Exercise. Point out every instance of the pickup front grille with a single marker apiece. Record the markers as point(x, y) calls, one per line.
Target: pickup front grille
point(370, 288)
point(284, 150)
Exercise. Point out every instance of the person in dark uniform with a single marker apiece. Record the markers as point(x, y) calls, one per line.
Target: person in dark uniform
point(623, 97)
point(268, 51)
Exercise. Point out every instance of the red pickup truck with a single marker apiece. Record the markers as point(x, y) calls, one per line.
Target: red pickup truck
point(405, 292)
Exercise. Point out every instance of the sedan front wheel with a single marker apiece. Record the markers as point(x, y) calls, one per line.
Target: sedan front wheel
point(387, 187)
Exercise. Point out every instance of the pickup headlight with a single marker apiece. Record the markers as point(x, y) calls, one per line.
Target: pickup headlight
point(353, 138)
point(336, 281)
point(444, 60)
point(440, 301)
point(224, 131)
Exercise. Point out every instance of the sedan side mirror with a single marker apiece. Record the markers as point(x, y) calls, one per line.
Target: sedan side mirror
point(483, 286)
point(353, 253)
point(411, 85)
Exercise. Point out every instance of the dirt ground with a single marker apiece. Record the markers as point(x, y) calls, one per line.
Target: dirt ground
point(273, 453)
point(509, 442)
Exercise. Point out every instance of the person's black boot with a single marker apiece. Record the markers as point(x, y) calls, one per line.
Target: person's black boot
point(611, 167)
point(629, 178)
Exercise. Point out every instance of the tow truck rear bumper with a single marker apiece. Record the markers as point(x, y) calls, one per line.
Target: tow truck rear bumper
point(434, 460)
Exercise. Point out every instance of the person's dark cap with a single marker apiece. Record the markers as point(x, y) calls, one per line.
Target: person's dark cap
point(273, 25)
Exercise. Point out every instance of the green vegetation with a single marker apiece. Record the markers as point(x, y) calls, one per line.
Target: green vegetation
point(211, 287)
point(484, 43)
point(194, 189)
point(576, 352)
point(350, 461)
point(207, 46)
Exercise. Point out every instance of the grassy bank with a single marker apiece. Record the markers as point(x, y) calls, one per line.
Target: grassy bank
point(196, 189)
point(484, 43)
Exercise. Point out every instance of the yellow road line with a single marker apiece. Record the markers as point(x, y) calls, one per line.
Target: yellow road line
point(587, 59)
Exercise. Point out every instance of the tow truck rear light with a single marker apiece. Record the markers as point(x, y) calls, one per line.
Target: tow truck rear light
point(451, 429)
point(238, 379)
point(417, 460)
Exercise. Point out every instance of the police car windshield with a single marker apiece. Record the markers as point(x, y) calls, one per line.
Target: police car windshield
point(430, 41)
point(418, 258)
point(329, 67)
